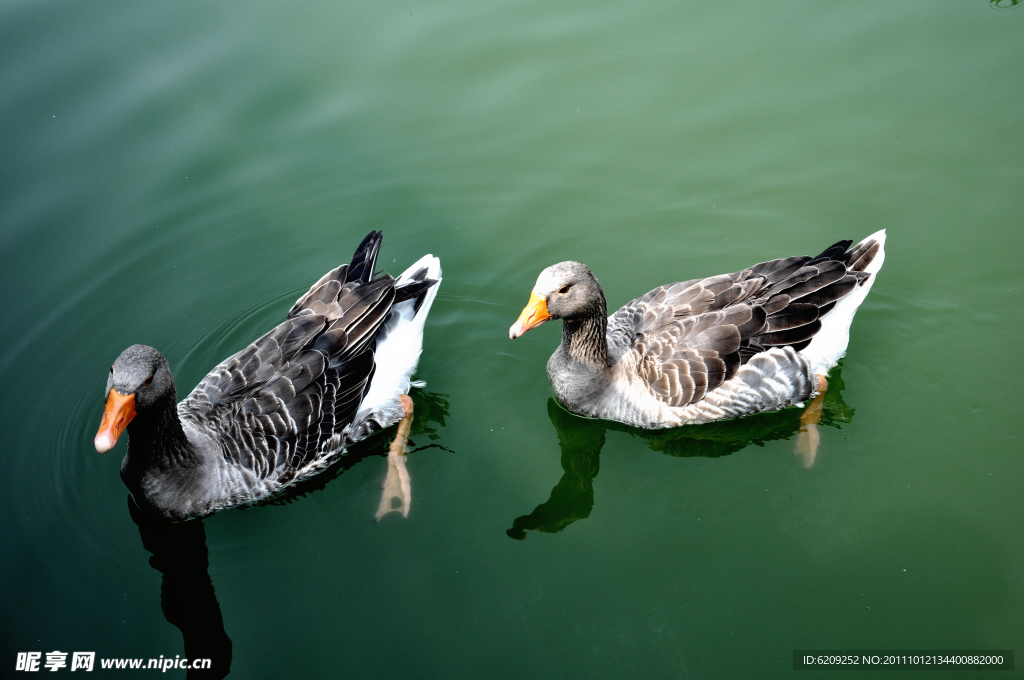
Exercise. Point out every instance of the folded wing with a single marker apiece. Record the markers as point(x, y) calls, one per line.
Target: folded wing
point(281, 405)
point(688, 338)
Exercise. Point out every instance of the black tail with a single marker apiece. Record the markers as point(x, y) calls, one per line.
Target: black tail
point(836, 251)
point(855, 259)
point(360, 269)
point(417, 288)
point(365, 258)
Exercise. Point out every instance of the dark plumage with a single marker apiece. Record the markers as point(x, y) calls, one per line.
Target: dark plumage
point(702, 349)
point(281, 409)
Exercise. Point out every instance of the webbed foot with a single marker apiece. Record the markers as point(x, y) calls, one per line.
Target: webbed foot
point(807, 439)
point(397, 484)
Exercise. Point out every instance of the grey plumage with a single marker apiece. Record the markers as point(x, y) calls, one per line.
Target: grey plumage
point(699, 350)
point(280, 410)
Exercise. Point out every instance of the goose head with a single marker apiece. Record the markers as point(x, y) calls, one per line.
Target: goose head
point(567, 290)
point(138, 381)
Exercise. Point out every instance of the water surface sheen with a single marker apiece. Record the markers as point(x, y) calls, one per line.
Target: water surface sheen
point(178, 174)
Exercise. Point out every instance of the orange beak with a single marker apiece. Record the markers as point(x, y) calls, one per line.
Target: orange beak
point(534, 314)
point(119, 412)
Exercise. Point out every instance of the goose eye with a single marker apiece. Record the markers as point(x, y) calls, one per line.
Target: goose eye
point(563, 290)
point(111, 369)
point(149, 379)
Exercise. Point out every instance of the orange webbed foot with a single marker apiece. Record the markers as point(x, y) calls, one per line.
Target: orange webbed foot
point(397, 484)
point(808, 438)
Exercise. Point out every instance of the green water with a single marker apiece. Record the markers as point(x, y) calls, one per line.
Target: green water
point(177, 174)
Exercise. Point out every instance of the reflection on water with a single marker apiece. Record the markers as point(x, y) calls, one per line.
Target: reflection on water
point(1004, 4)
point(187, 596)
point(179, 549)
point(581, 441)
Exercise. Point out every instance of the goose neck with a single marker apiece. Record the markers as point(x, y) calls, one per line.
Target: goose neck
point(585, 339)
point(156, 438)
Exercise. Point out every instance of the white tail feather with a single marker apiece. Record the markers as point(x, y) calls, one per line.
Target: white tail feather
point(400, 342)
point(829, 344)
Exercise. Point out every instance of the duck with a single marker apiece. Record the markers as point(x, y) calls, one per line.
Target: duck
point(707, 349)
point(336, 370)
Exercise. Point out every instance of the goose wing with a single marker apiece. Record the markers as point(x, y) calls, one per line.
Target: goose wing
point(687, 338)
point(280, 405)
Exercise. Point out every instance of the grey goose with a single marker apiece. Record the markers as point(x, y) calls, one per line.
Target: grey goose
point(706, 349)
point(285, 407)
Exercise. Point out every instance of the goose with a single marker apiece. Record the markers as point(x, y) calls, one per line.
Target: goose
point(722, 347)
point(284, 408)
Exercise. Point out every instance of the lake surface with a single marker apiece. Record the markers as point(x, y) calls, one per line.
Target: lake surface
point(178, 174)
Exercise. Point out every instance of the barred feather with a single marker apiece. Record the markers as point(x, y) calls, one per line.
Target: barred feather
point(680, 352)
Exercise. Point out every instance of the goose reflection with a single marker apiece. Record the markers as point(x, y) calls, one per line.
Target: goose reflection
point(186, 595)
point(180, 554)
point(581, 441)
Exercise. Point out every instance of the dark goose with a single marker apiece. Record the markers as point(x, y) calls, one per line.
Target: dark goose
point(284, 407)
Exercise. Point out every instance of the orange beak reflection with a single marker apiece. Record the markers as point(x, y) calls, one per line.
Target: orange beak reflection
point(535, 313)
point(119, 412)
